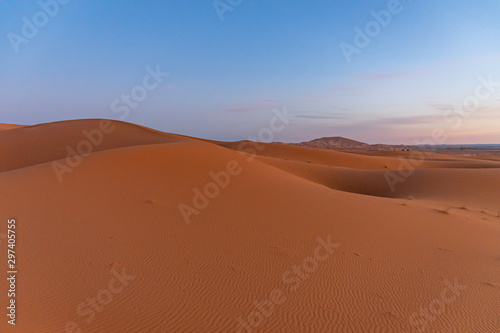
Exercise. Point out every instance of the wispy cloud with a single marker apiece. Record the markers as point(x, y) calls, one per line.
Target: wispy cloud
point(377, 76)
point(480, 112)
point(412, 120)
point(306, 116)
point(322, 115)
point(242, 109)
point(442, 107)
point(257, 105)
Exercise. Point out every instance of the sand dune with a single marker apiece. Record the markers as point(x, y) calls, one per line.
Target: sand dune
point(9, 126)
point(476, 186)
point(53, 141)
point(112, 230)
point(391, 161)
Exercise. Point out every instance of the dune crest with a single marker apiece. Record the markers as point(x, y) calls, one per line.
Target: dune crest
point(4, 127)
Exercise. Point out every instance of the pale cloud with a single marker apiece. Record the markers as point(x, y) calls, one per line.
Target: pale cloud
point(378, 76)
point(481, 127)
point(257, 105)
point(311, 116)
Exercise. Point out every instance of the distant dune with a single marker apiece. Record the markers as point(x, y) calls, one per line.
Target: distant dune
point(335, 143)
point(121, 228)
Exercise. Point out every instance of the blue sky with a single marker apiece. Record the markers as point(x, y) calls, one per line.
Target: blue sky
point(225, 77)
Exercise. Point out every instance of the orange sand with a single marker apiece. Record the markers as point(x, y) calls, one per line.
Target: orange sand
point(118, 212)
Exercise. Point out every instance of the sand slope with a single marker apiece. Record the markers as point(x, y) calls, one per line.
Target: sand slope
point(9, 126)
point(476, 187)
point(53, 141)
point(118, 211)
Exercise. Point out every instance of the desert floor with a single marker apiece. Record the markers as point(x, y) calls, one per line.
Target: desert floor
point(156, 232)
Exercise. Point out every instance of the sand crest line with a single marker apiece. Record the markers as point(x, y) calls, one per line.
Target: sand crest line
point(221, 179)
point(95, 136)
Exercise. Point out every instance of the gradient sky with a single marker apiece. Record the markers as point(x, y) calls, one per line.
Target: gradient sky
point(226, 76)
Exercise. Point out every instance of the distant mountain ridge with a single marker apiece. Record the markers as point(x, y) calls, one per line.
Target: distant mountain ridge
point(336, 142)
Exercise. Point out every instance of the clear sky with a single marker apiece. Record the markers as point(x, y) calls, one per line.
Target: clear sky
point(231, 62)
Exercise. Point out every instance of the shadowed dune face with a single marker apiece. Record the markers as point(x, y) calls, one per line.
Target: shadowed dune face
point(472, 182)
point(293, 239)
